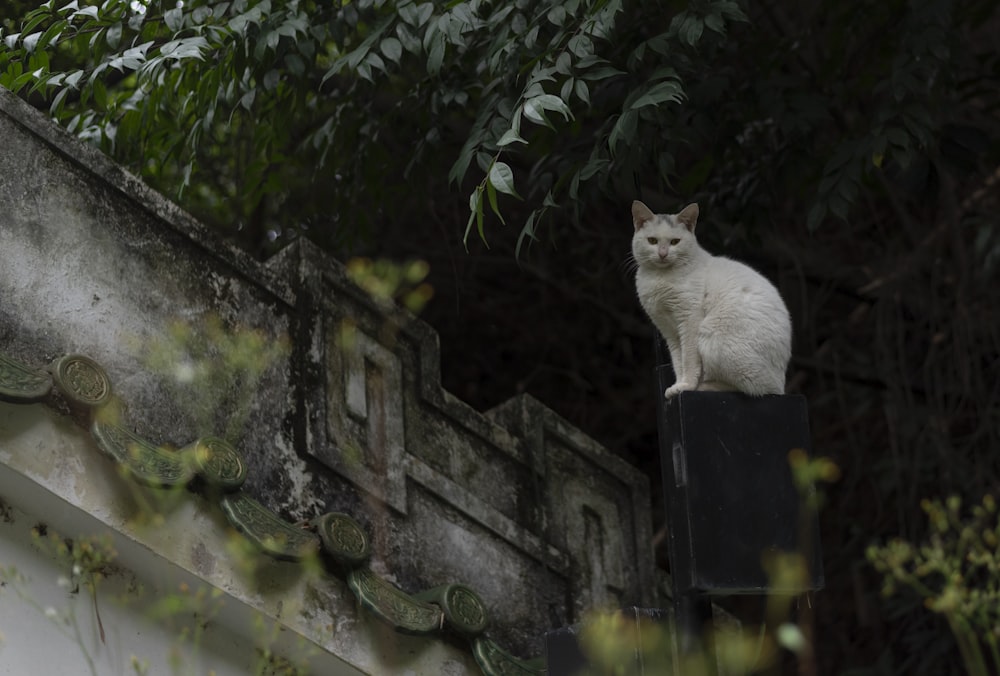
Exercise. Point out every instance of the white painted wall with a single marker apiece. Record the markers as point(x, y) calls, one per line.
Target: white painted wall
point(51, 472)
point(46, 628)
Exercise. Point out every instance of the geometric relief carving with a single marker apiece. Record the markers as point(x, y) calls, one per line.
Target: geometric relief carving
point(365, 416)
point(597, 543)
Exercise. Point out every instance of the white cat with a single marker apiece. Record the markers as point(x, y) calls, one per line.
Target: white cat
point(725, 325)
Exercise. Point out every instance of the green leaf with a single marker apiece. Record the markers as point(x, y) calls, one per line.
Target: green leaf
point(581, 45)
point(500, 16)
point(502, 178)
point(536, 113)
point(174, 18)
point(582, 92)
point(30, 41)
point(73, 78)
point(531, 37)
point(57, 102)
point(375, 61)
point(551, 102)
point(461, 165)
point(691, 30)
point(464, 14)
point(716, 23)
point(476, 215)
point(624, 130)
point(392, 49)
point(510, 136)
point(731, 10)
point(669, 90)
point(480, 215)
point(409, 42)
point(564, 63)
point(557, 15)
point(100, 94)
point(20, 81)
point(519, 24)
point(185, 48)
point(417, 15)
point(491, 194)
point(435, 55)
point(567, 89)
point(592, 167)
point(90, 11)
point(601, 73)
point(527, 232)
point(409, 13)
point(114, 35)
point(37, 17)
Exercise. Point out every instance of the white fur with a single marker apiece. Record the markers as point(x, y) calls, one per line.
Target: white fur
point(725, 325)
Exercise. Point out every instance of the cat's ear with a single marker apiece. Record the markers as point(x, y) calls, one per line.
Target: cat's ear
point(641, 214)
point(689, 216)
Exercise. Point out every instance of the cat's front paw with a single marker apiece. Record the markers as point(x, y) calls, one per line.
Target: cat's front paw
point(676, 389)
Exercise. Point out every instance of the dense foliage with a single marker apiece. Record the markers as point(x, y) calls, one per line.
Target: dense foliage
point(256, 104)
point(851, 151)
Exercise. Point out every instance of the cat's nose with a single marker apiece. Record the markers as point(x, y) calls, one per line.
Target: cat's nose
point(663, 253)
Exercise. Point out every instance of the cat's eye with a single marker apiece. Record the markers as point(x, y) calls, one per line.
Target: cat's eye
point(652, 240)
point(674, 242)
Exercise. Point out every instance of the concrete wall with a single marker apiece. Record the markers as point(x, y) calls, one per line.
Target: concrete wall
point(539, 519)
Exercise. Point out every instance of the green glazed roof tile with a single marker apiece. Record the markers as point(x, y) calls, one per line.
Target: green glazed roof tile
point(144, 461)
point(22, 384)
point(392, 605)
point(272, 534)
point(85, 385)
point(494, 661)
point(81, 381)
point(463, 610)
point(343, 539)
point(218, 463)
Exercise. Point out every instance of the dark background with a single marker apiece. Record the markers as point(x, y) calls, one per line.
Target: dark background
point(848, 151)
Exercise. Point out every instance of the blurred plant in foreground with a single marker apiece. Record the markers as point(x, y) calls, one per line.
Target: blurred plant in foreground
point(212, 369)
point(956, 572)
point(618, 645)
point(389, 282)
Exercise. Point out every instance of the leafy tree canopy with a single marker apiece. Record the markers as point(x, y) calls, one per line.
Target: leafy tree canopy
point(257, 105)
point(275, 117)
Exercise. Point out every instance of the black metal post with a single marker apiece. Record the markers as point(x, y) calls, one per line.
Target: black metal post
point(692, 610)
point(730, 501)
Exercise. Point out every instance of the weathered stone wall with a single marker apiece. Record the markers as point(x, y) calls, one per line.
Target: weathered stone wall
point(540, 520)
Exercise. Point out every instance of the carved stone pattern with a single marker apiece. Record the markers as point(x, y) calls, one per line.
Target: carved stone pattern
point(496, 662)
point(468, 608)
point(271, 533)
point(365, 411)
point(144, 460)
point(393, 605)
point(21, 383)
point(221, 462)
point(82, 380)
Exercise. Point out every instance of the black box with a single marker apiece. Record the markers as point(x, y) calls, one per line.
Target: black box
point(730, 496)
